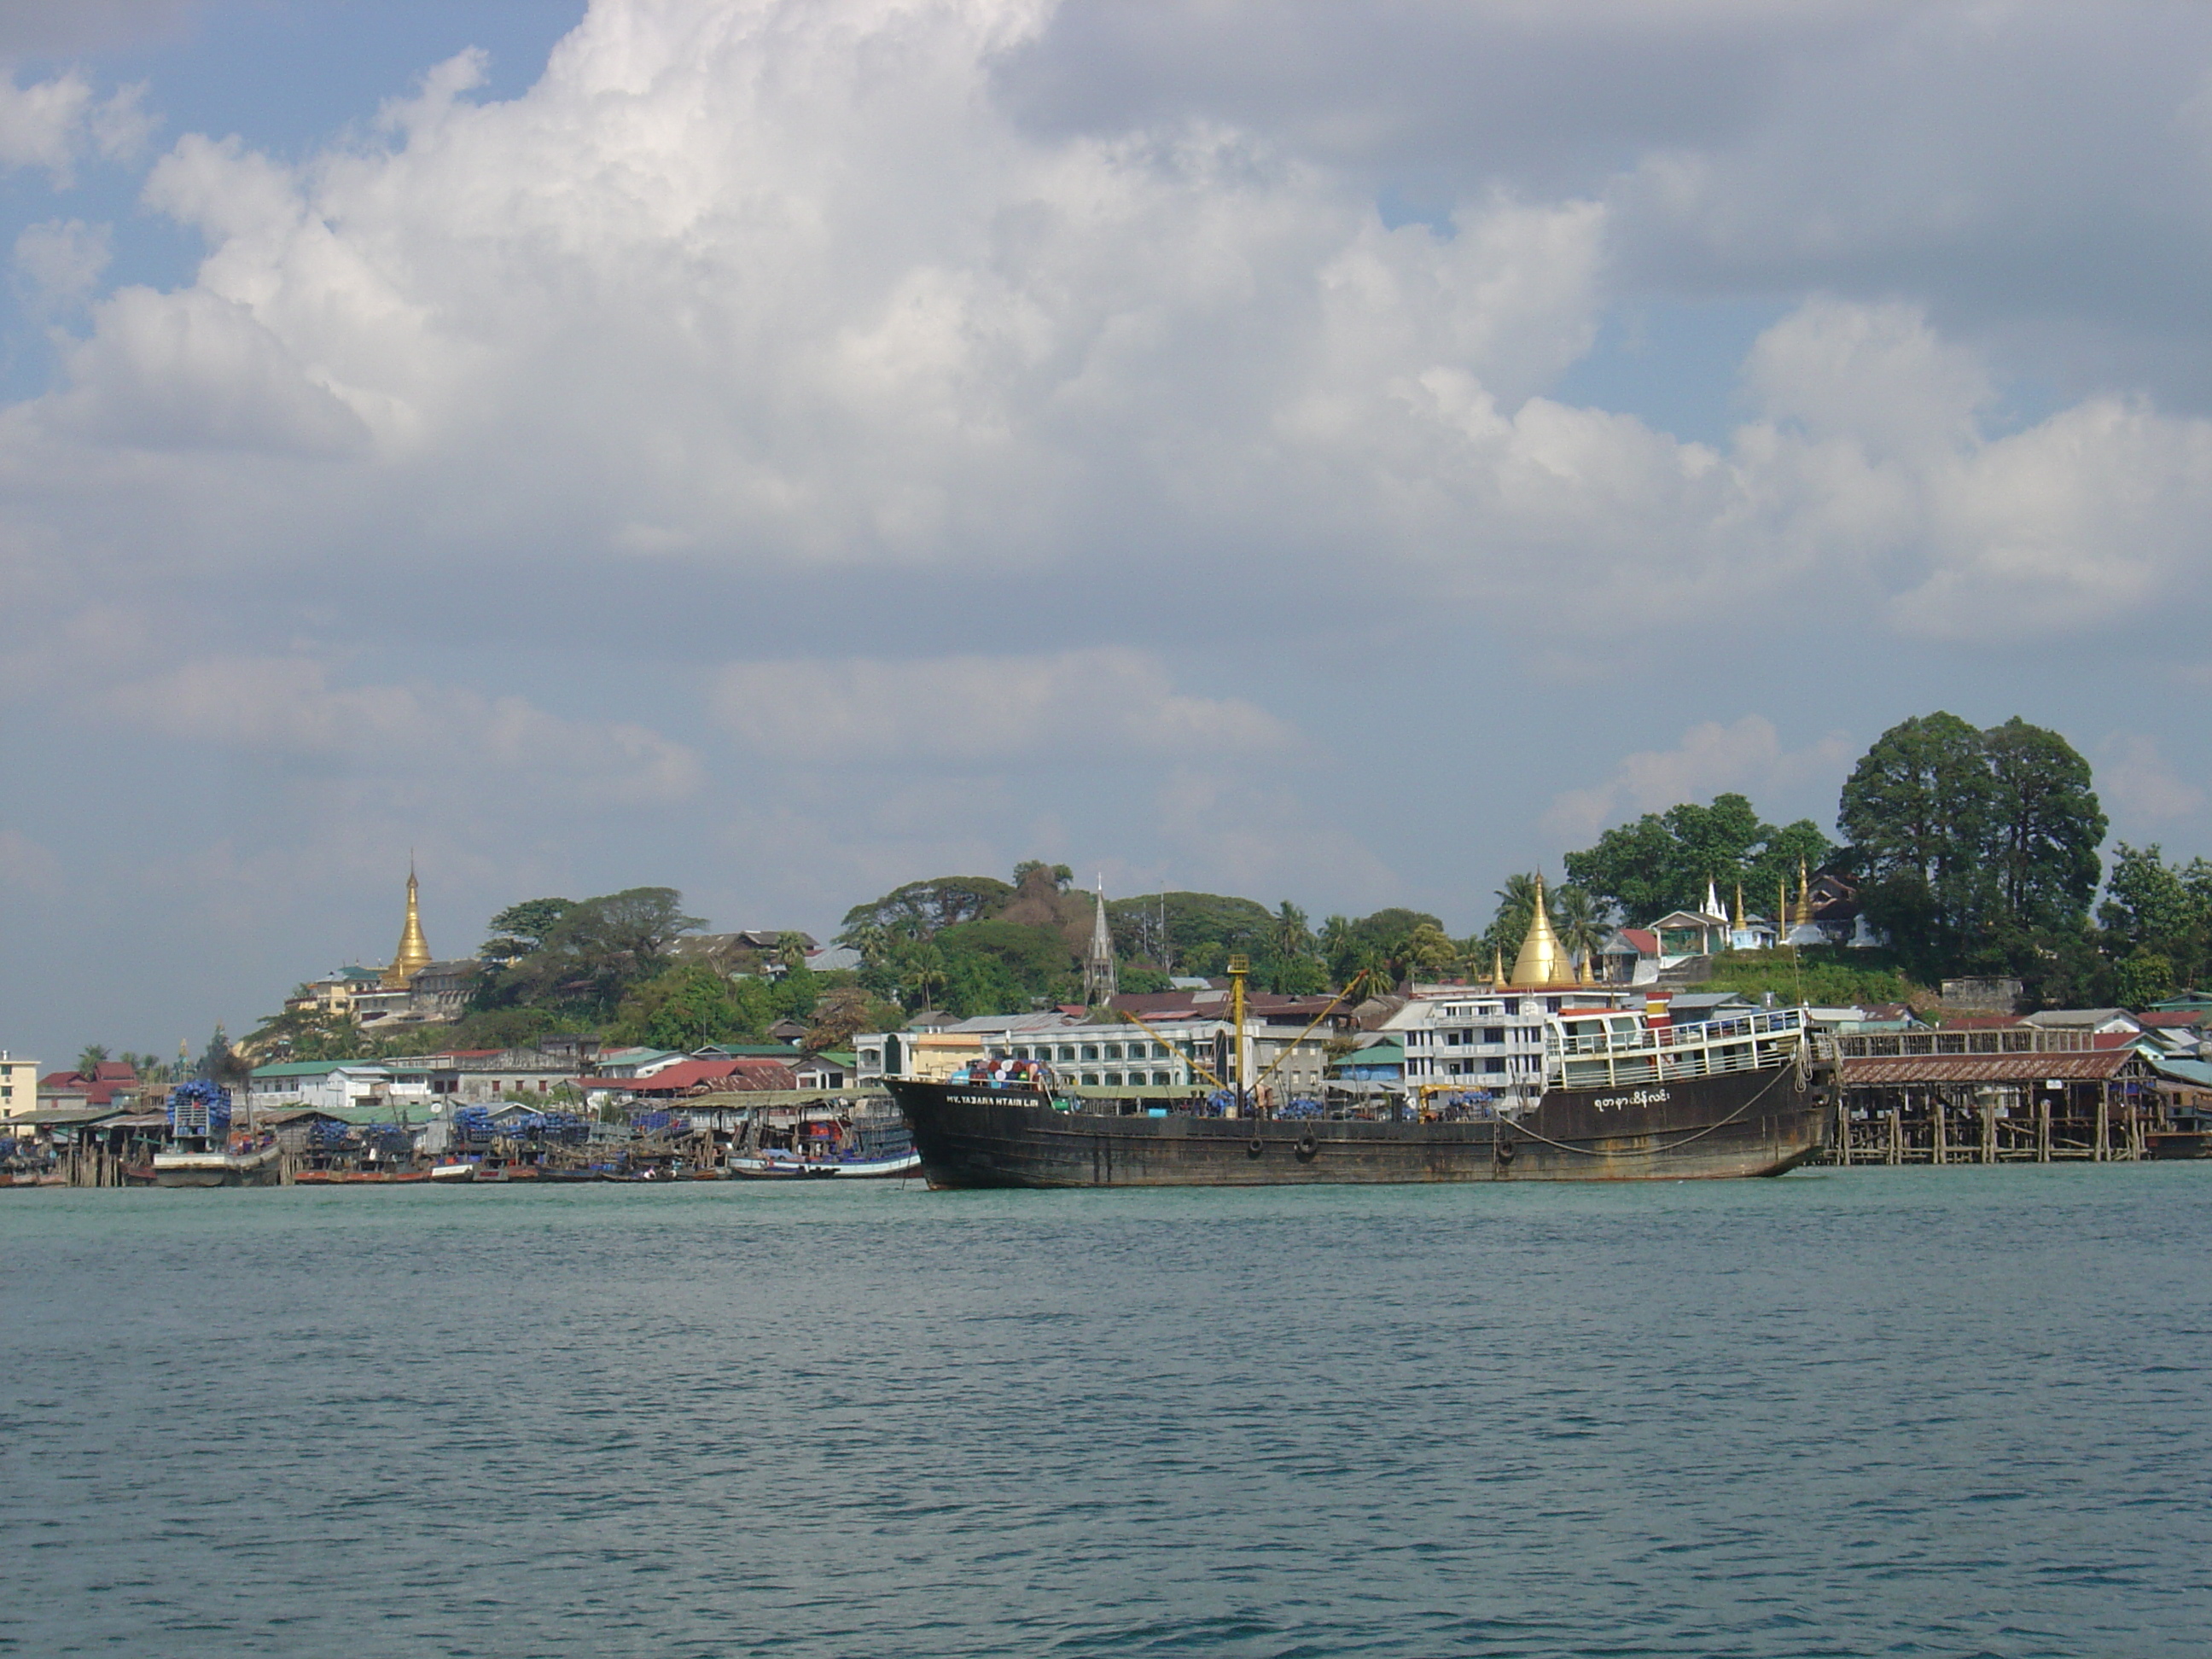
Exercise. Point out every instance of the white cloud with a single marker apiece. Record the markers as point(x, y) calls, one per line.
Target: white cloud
point(57, 122)
point(1089, 703)
point(1745, 757)
point(781, 286)
point(58, 263)
point(2137, 781)
point(442, 736)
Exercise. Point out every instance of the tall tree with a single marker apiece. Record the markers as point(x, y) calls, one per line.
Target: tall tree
point(1979, 847)
point(91, 1059)
point(521, 928)
point(2046, 824)
point(1917, 810)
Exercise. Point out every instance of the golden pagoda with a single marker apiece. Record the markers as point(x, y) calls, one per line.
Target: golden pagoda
point(413, 950)
point(1739, 907)
point(1496, 968)
point(1542, 962)
point(1804, 916)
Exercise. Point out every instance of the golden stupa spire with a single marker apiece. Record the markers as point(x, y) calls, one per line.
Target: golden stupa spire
point(1541, 962)
point(1804, 896)
point(1739, 907)
point(413, 950)
point(1496, 968)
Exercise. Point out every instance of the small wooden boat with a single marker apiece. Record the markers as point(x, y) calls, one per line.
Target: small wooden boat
point(778, 1165)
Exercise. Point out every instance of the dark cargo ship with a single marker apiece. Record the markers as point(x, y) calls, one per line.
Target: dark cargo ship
point(1625, 1102)
point(1625, 1097)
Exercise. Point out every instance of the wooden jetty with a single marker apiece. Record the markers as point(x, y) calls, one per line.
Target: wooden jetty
point(2019, 1095)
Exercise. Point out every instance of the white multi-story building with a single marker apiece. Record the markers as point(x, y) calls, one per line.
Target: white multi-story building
point(1490, 1039)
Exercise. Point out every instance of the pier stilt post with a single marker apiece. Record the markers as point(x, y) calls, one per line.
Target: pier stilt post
point(1938, 1141)
point(2103, 1121)
point(2042, 1127)
point(1897, 1128)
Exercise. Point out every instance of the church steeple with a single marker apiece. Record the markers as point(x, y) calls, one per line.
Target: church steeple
point(1100, 982)
point(413, 950)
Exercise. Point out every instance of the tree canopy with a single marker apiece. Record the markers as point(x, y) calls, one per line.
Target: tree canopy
point(1664, 861)
point(922, 908)
point(521, 928)
point(1977, 847)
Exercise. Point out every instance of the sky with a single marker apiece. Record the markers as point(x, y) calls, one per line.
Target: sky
point(784, 448)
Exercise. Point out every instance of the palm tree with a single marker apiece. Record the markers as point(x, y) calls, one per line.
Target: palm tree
point(1516, 908)
point(94, 1057)
point(1427, 949)
point(1289, 939)
point(1580, 921)
point(791, 951)
point(922, 966)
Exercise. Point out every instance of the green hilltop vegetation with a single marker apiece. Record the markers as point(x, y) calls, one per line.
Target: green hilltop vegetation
point(1975, 850)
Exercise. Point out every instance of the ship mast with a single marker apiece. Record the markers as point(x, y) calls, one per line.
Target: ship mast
point(1239, 966)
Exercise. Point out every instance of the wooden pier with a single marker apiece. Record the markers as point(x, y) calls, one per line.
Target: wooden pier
point(1961, 1099)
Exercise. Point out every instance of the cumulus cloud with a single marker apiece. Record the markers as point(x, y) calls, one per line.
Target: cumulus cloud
point(969, 369)
point(1746, 758)
point(54, 123)
point(1084, 704)
point(287, 706)
point(784, 287)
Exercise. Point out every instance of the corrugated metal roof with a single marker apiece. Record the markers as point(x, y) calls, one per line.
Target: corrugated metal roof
point(2195, 1072)
point(2094, 1066)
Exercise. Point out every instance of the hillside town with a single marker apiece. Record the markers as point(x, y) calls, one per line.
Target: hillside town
point(620, 1026)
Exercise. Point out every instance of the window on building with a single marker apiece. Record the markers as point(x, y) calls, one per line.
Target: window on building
point(1161, 1080)
point(1091, 1051)
point(1495, 1065)
point(1090, 1079)
point(1113, 1051)
point(1113, 1079)
point(1493, 1034)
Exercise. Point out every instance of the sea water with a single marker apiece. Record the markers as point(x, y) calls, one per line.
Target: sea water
point(1875, 1411)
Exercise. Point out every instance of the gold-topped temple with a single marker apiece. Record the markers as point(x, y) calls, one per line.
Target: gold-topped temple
point(413, 950)
point(1542, 962)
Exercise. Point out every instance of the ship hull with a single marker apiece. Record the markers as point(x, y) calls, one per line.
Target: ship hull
point(1736, 1124)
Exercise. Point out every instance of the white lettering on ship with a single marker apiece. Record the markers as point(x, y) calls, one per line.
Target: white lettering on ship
point(1641, 1097)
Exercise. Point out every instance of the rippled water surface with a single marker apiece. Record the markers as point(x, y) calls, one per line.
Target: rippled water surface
point(1880, 1412)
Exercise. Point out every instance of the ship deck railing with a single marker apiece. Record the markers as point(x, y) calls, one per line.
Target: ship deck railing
point(1742, 1042)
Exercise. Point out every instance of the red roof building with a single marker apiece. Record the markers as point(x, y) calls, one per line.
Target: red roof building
point(107, 1080)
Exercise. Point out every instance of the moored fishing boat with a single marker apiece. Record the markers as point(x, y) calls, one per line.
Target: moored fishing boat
point(1623, 1097)
point(203, 1152)
point(775, 1164)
